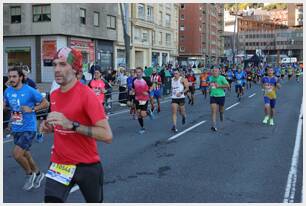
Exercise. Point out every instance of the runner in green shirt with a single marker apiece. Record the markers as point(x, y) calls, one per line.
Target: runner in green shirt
point(290, 72)
point(298, 74)
point(217, 85)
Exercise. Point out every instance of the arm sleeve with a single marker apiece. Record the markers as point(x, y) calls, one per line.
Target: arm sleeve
point(93, 107)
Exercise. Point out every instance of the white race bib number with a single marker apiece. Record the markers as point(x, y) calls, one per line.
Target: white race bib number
point(61, 173)
point(142, 102)
point(17, 118)
point(239, 81)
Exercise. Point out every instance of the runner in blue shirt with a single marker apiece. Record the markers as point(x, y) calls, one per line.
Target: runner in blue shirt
point(239, 82)
point(229, 78)
point(23, 101)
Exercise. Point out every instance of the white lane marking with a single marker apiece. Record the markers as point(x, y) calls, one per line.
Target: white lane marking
point(74, 188)
point(168, 99)
point(234, 105)
point(292, 176)
point(186, 130)
point(252, 95)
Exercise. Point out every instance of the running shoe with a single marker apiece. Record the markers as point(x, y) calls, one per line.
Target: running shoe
point(213, 129)
point(38, 179)
point(141, 131)
point(174, 129)
point(29, 183)
point(266, 119)
point(39, 138)
point(271, 122)
point(183, 120)
point(151, 114)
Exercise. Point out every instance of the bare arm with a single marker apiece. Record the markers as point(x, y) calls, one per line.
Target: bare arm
point(43, 105)
point(186, 85)
point(101, 131)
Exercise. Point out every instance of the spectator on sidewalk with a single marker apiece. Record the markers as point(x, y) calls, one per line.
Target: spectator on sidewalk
point(122, 79)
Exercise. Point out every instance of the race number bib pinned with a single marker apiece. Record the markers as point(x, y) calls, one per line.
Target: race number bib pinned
point(239, 81)
point(142, 102)
point(61, 173)
point(17, 118)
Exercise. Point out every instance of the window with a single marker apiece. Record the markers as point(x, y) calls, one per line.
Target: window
point(182, 17)
point(96, 18)
point(141, 11)
point(83, 16)
point(150, 13)
point(168, 39)
point(137, 35)
point(160, 38)
point(145, 36)
point(182, 49)
point(111, 22)
point(182, 6)
point(15, 14)
point(161, 18)
point(41, 13)
point(168, 19)
point(182, 28)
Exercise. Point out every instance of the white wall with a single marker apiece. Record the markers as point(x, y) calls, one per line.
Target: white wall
point(20, 42)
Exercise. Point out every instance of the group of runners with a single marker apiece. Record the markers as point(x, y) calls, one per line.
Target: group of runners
point(78, 119)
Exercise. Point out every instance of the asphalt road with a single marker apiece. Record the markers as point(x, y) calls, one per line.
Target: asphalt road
point(245, 161)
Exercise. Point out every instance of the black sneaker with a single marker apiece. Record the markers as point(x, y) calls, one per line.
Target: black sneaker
point(213, 129)
point(183, 120)
point(174, 129)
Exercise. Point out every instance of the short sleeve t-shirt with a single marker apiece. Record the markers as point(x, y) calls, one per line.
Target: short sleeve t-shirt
point(217, 92)
point(98, 86)
point(79, 104)
point(204, 80)
point(15, 99)
point(141, 86)
point(269, 84)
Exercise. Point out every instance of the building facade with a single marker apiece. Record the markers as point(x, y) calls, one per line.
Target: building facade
point(283, 42)
point(34, 32)
point(295, 14)
point(201, 33)
point(153, 31)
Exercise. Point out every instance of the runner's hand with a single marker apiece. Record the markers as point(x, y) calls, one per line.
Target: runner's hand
point(45, 127)
point(178, 94)
point(57, 118)
point(26, 109)
point(145, 93)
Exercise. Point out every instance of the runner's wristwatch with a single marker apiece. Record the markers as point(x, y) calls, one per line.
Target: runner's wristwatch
point(75, 125)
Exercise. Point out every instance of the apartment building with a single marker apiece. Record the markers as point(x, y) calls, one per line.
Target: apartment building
point(153, 29)
point(34, 32)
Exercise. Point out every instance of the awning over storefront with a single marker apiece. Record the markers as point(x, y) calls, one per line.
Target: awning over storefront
point(17, 49)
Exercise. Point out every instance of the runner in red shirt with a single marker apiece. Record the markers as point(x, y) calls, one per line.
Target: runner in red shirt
point(156, 91)
point(191, 81)
point(141, 89)
point(98, 85)
point(78, 121)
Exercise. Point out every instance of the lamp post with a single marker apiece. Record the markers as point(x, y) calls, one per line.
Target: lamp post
point(290, 51)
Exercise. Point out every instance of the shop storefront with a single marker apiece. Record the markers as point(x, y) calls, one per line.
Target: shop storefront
point(104, 53)
point(87, 47)
point(19, 51)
